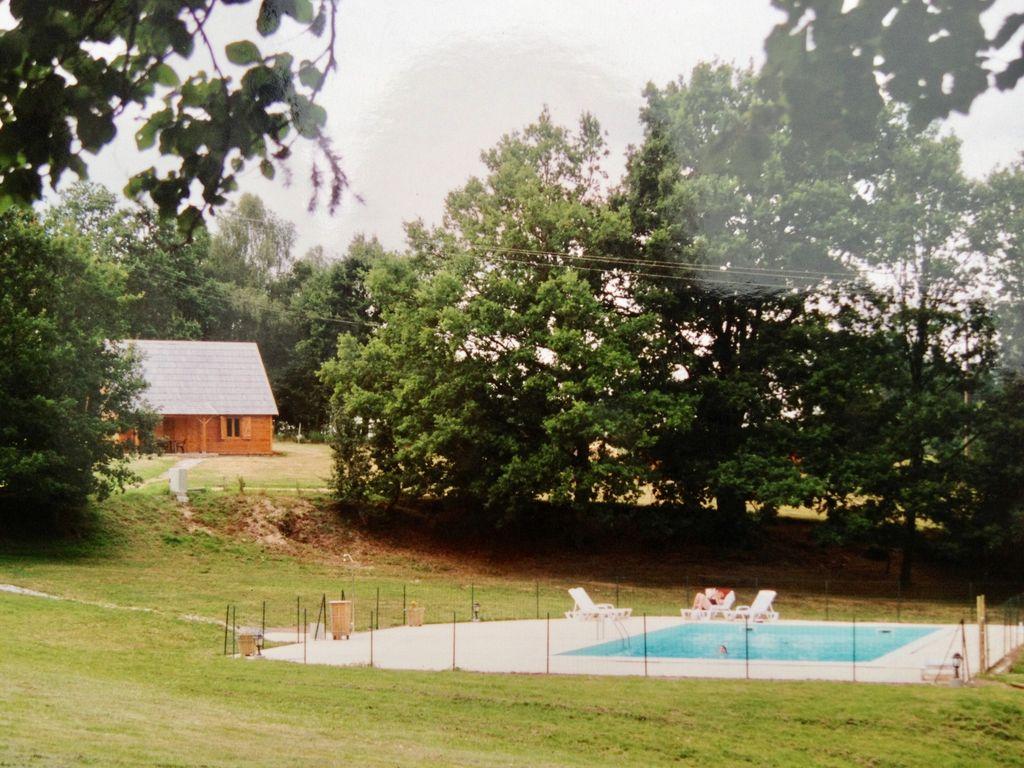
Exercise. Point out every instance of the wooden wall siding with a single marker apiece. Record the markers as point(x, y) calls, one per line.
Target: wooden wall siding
point(257, 434)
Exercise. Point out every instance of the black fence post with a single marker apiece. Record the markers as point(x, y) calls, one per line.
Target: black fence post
point(645, 645)
point(547, 648)
point(855, 649)
point(747, 645)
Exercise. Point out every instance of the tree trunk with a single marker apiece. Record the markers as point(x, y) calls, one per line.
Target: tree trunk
point(909, 542)
point(732, 509)
point(582, 492)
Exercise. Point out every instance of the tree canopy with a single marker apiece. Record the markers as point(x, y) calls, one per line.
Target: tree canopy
point(70, 68)
point(65, 390)
point(737, 327)
point(838, 63)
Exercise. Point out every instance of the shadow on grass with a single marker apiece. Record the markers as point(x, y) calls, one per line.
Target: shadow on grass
point(103, 530)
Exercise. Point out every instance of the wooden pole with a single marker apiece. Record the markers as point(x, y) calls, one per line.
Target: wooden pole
point(982, 636)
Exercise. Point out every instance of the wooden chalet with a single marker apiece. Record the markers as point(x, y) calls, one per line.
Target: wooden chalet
point(214, 396)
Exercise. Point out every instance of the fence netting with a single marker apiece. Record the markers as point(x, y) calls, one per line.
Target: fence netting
point(832, 629)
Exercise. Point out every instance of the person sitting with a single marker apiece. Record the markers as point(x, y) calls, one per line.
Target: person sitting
point(710, 597)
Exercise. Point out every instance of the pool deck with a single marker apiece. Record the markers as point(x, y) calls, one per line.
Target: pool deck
point(532, 647)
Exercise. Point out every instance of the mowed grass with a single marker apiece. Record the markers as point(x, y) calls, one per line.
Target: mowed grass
point(85, 685)
point(142, 553)
point(101, 684)
point(293, 465)
point(151, 467)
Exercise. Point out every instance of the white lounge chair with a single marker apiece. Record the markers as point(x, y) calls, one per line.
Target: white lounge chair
point(759, 610)
point(586, 609)
point(703, 614)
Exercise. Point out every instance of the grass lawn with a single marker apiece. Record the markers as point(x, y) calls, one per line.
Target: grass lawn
point(151, 467)
point(86, 685)
point(91, 684)
point(293, 465)
point(143, 553)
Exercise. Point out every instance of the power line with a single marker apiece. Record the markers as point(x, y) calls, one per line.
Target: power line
point(754, 270)
point(730, 278)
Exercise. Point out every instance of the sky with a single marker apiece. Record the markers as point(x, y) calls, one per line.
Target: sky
point(422, 87)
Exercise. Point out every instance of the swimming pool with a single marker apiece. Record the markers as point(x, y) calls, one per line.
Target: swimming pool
point(768, 642)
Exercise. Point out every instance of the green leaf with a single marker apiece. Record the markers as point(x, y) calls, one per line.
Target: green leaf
point(145, 137)
point(94, 131)
point(303, 12)
point(319, 23)
point(269, 18)
point(243, 52)
point(164, 74)
point(310, 76)
point(267, 169)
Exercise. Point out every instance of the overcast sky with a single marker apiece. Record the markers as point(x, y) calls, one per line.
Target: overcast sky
point(423, 87)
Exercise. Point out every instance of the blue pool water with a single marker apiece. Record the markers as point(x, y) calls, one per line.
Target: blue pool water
point(768, 642)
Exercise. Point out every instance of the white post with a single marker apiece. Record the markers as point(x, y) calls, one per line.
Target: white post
point(179, 483)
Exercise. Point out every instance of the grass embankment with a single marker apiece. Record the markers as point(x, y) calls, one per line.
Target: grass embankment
point(85, 684)
point(143, 550)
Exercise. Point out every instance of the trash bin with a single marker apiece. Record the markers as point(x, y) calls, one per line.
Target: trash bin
point(341, 619)
point(247, 644)
point(414, 616)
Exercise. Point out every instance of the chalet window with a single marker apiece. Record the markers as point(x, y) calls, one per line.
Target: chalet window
point(232, 427)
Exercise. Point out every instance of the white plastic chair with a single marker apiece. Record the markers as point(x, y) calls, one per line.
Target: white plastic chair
point(759, 610)
point(703, 614)
point(586, 609)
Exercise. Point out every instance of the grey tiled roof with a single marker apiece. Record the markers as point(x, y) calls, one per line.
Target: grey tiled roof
point(205, 377)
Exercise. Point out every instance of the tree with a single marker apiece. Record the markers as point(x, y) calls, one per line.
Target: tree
point(501, 373)
point(327, 298)
point(931, 336)
point(733, 231)
point(65, 390)
point(838, 63)
point(172, 296)
point(986, 522)
point(70, 68)
point(252, 247)
point(999, 231)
